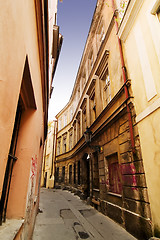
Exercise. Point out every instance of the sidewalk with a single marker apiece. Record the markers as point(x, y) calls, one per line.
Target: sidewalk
point(66, 217)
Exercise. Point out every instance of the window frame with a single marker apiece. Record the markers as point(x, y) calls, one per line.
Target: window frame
point(70, 138)
point(63, 173)
point(114, 186)
point(70, 173)
point(100, 35)
point(65, 143)
point(59, 124)
point(59, 146)
point(107, 88)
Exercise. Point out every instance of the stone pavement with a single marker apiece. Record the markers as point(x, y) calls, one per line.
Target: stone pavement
point(64, 216)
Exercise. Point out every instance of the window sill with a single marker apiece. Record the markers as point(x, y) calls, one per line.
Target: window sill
point(106, 87)
point(10, 228)
point(94, 201)
point(115, 194)
point(96, 190)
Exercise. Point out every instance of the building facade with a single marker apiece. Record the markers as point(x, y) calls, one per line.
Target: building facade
point(107, 169)
point(140, 36)
point(24, 96)
point(48, 170)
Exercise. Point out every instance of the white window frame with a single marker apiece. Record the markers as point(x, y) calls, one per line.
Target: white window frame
point(107, 88)
point(59, 124)
point(65, 144)
point(70, 139)
point(65, 119)
point(58, 146)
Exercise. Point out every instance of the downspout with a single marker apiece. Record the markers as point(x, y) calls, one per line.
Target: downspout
point(125, 79)
point(54, 148)
point(44, 163)
point(51, 174)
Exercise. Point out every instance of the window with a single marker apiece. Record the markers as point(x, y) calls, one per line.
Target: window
point(83, 80)
point(90, 62)
point(65, 143)
point(107, 88)
point(84, 118)
point(114, 175)
point(59, 124)
point(79, 172)
point(57, 174)
point(70, 174)
point(78, 126)
point(70, 139)
point(92, 101)
point(95, 172)
point(146, 67)
point(78, 94)
point(58, 146)
point(63, 174)
point(74, 173)
point(65, 119)
point(100, 34)
point(75, 135)
point(47, 160)
point(93, 106)
point(71, 113)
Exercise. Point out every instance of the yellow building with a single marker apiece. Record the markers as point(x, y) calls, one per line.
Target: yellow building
point(25, 51)
point(47, 179)
point(98, 146)
point(140, 35)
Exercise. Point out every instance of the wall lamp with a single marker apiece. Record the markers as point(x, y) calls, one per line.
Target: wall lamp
point(88, 140)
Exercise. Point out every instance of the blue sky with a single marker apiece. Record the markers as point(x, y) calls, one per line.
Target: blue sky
point(74, 19)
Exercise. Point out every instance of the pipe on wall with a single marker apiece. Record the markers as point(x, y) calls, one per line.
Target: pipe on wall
point(125, 79)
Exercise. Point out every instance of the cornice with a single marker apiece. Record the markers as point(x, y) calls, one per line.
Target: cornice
point(92, 30)
point(94, 69)
point(81, 144)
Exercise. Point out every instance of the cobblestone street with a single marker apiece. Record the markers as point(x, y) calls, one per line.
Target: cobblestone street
point(64, 216)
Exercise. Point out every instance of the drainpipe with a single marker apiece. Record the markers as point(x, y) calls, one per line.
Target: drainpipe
point(44, 155)
point(51, 173)
point(54, 147)
point(125, 79)
point(56, 131)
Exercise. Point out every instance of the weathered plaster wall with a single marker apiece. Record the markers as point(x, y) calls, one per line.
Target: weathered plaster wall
point(142, 57)
point(18, 45)
point(23, 42)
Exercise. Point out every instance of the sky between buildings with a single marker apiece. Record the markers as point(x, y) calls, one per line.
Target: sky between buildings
point(74, 19)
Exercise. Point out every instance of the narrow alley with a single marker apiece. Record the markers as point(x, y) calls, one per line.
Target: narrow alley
point(79, 119)
point(62, 215)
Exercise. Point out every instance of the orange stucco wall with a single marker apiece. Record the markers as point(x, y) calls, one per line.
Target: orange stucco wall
point(18, 33)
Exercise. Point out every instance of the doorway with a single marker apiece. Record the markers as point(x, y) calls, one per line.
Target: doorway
point(45, 180)
point(86, 174)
